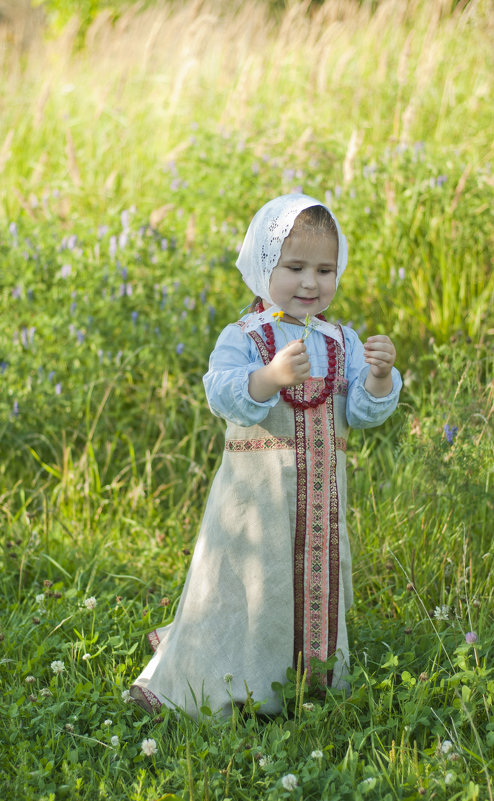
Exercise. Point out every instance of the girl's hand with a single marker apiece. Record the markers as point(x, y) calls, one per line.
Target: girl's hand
point(290, 365)
point(380, 353)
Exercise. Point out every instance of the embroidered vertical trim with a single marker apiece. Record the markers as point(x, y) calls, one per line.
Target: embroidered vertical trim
point(300, 531)
point(261, 346)
point(153, 639)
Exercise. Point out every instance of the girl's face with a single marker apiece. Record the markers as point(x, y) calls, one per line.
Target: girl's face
point(304, 280)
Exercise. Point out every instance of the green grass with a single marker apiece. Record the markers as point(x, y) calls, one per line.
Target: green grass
point(132, 156)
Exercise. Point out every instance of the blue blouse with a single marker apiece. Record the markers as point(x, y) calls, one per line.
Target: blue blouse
point(236, 356)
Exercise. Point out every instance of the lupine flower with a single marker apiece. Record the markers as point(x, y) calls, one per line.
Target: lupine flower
point(149, 747)
point(134, 316)
point(90, 603)
point(180, 348)
point(471, 637)
point(450, 433)
point(58, 389)
point(401, 273)
point(65, 271)
point(57, 666)
point(289, 781)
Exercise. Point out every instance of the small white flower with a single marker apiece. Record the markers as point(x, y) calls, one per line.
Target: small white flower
point(90, 603)
point(57, 666)
point(86, 657)
point(308, 706)
point(30, 679)
point(115, 741)
point(446, 746)
point(149, 747)
point(289, 781)
point(227, 678)
point(317, 754)
point(40, 599)
point(107, 722)
point(45, 692)
point(449, 778)
point(69, 727)
point(126, 696)
point(441, 612)
point(265, 761)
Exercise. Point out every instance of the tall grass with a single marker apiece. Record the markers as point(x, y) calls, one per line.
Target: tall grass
point(131, 159)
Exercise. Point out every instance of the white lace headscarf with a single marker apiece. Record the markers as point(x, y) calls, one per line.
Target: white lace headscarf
point(261, 248)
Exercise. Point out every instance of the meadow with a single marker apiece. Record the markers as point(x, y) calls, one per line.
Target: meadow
point(134, 149)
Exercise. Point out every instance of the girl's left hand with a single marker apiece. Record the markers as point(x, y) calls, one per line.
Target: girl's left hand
point(380, 353)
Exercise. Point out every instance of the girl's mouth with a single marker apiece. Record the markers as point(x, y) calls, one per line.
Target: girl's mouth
point(305, 300)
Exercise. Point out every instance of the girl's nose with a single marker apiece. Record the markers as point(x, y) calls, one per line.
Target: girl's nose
point(308, 279)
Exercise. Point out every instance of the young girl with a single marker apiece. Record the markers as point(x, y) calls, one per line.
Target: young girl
point(271, 573)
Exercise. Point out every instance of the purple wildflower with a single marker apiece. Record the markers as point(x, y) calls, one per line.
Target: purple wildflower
point(65, 271)
point(471, 637)
point(401, 273)
point(441, 179)
point(450, 433)
point(3, 366)
point(71, 242)
point(180, 348)
point(15, 409)
point(125, 219)
point(113, 246)
point(17, 292)
point(58, 389)
point(134, 316)
point(80, 337)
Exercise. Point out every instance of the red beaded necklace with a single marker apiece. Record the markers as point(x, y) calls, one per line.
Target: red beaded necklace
point(286, 394)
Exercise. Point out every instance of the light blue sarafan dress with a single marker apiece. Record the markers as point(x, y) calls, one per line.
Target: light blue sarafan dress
point(270, 576)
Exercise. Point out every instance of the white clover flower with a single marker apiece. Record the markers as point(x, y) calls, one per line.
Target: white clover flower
point(227, 678)
point(317, 754)
point(449, 778)
point(45, 692)
point(446, 746)
point(30, 679)
point(107, 722)
point(90, 603)
point(86, 657)
point(69, 727)
point(126, 696)
point(40, 599)
point(149, 747)
point(57, 666)
point(441, 612)
point(289, 781)
point(115, 741)
point(265, 761)
point(308, 706)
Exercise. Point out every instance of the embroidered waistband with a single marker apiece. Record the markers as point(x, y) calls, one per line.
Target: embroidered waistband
point(270, 444)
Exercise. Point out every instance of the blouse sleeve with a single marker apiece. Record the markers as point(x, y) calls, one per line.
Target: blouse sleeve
point(233, 359)
point(363, 410)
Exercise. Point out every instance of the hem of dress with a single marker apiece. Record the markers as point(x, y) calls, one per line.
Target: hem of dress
point(153, 639)
point(146, 699)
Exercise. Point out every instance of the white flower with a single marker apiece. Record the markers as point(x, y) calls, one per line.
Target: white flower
point(45, 692)
point(264, 761)
point(308, 707)
point(107, 722)
point(126, 696)
point(40, 599)
point(227, 678)
point(86, 656)
point(289, 781)
point(90, 603)
point(149, 747)
point(446, 746)
point(69, 727)
point(441, 612)
point(317, 754)
point(30, 679)
point(57, 666)
point(115, 741)
point(449, 778)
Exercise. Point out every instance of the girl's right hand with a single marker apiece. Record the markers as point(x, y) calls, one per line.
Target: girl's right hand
point(290, 365)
